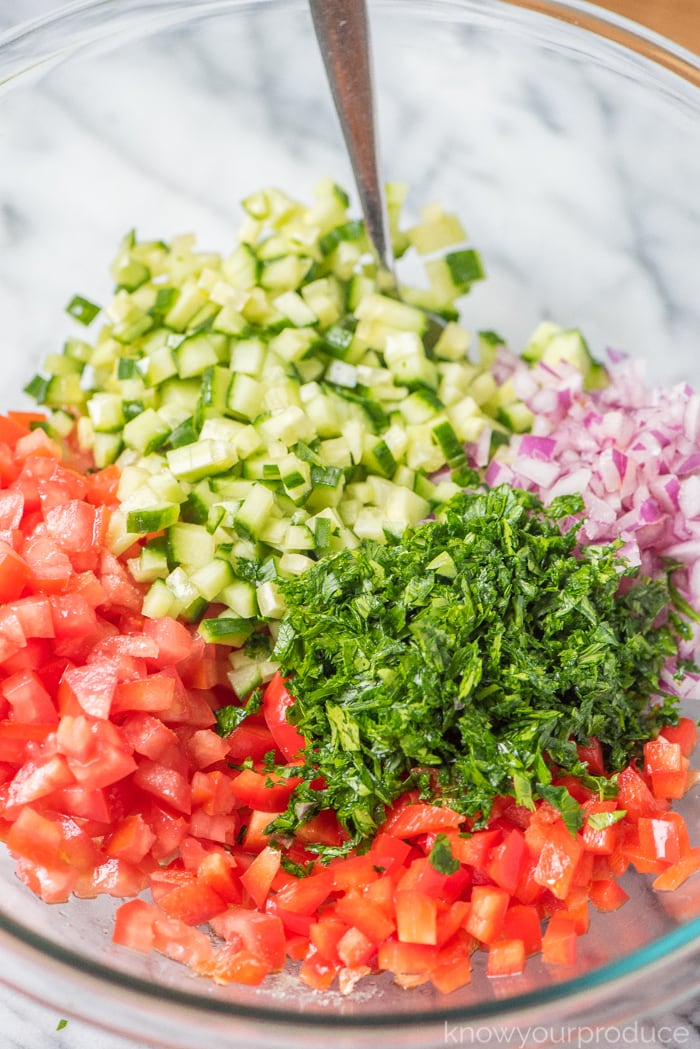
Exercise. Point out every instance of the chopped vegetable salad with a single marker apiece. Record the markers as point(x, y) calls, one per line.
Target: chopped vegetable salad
point(329, 638)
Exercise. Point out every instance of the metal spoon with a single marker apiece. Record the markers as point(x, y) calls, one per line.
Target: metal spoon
point(342, 30)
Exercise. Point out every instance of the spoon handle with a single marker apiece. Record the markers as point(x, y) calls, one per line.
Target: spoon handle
point(342, 30)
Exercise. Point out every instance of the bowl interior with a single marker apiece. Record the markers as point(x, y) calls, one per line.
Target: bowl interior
point(574, 164)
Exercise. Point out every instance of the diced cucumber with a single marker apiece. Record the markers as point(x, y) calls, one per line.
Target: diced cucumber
point(240, 597)
point(226, 630)
point(154, 518)
point(212, 578)
point(517, 417)
point(159, 601)
point(190, 545)
point(253, 514)
point(450, 443)
point(146, 432)
point(552, 345)
point(244, 397)
point(151, 564)
point(392, 313)
point(198, 352)
point(204, 458)
point(270, 601)
point(271, 405)
point(436, 230)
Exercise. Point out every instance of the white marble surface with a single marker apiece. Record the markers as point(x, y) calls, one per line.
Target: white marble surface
point(580, 234)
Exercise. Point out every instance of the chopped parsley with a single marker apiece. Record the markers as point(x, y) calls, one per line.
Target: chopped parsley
point(475, 680)
point(441, 856)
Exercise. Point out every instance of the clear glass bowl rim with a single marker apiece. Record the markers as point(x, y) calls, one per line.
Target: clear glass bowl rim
point(42, 41)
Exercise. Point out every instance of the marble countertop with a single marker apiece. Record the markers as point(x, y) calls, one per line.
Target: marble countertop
point(24, 1024)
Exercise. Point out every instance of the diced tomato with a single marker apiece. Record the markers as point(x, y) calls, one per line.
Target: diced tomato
point(234, 964)
point(153, 694)
point(305, 895)
point(388, 851)
point(450, 975)
point(205, 748)
point(34, 781)
point(256, 837)
point(474, 849)
point(73, 616)
point(51, 884)
point(262, 790)
point(258, 878)
point(194, 902)
point(316, 972)
point(450, 920)
point(16, 739)
point(635, 796)
point(14, 573)
point(85, 803)
point(115, 877)
point(406, 958)
point(600, 840)
point(103, 485)
point(93, 687)
point(685, 734)
point(131, 839)
point(325, 935)
point(251, 739)
point(175, 642)
point(134, 925)
point(165, 783)
point(261, 934)
point(218, 870)
point(34, 615)
point(506, 861)
point(677, 873)
point(420, 818)
point(37, 443)
point(607, 894)
point(78, 529)
point(522, 922)
point(354, 948)
point(416, 917)
point(176, 939)
point(559, 940)
point(322, 828)
point(276, 704)
point(354, 873)
point(28, 700)
point(664, 837)
point(96, 751)
point(367, 915)
point(505, 958)
point(38, 839)
point(661, 755)
point(592, 754)
point(667, 784)
point(557, 861)
point(487, 911)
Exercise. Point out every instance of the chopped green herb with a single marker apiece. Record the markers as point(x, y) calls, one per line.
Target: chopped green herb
point(229, 718)
point(441, 856)
point(298, 870)
point(490, 678)
point(601, 820)
point(61, 1024)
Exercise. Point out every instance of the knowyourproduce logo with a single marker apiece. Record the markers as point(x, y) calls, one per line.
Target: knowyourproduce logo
point(542, 1036)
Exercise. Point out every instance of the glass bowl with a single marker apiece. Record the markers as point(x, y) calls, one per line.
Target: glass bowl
point(569, 142)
